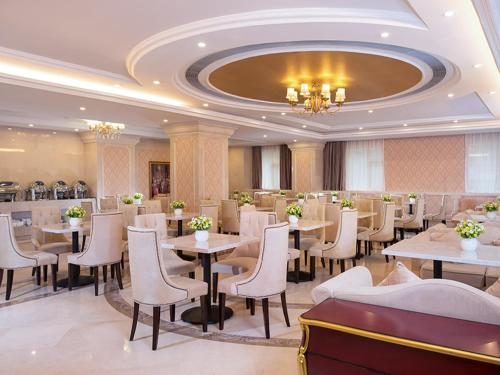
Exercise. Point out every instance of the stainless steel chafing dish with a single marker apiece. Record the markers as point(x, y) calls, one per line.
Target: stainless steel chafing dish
point(37, 191)
point(8, 191)
point(60, 190)
point(80, 190)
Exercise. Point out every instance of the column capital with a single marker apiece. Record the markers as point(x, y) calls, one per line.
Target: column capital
point(319, 146)
point(198, 127)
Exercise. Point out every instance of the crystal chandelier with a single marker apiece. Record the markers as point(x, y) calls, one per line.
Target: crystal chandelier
point(316, 100)
point(105, 130)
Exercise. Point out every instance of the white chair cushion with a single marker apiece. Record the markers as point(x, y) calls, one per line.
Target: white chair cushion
point(494, 289)
point(365, 235)
point(228, 286)
point(195, 288)
point(293, 253)
point(305, 242)
point(492, 274)
point(42, 259)
point(56, 247)
point(399, 275)
point(178, 267)
point(317, 250)
point(235, 265)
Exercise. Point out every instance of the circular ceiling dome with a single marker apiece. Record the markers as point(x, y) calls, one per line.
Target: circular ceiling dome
point(266, 77)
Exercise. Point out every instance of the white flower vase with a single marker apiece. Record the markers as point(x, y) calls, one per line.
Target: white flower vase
point(246, 204)
point(345, 208)
point(491, 215)
point(301, 201)
point(334, 198)
point(178, 211)
point(469, 244)
point(292, 219)
point(412, 200)
point(75, 221)
point(201, 235)
point(137, 201)
point(235, 196)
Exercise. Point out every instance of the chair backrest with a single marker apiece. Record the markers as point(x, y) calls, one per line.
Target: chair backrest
point(251, 224)
point(212, 211)
point(312, 210)
point(267, 200)
point(10, 255)
point(332, 213)
point(89, 209)
point(108, 204)
point(322, 199)
point(150, 282)
point(269, 275)
point(419, 212)
point(165, 204)
point(152, 206)
point(280, 207)
point(386, 231)
point(230, 221)
point(347, 233)
point(41, 216)
point(249, 208)
point(157, 222)
point(105, 245)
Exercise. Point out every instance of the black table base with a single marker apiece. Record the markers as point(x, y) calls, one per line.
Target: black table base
point(82, 280)
point(193, 315)
point(303, 276)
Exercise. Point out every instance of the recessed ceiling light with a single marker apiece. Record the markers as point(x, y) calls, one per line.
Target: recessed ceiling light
point(205, 104)
point(451, 95)
point(117, 85)
point(385, 34)
point(493, 92)
point(283, 113)
point(449, 13)
point(455, 121)
point(54, 132)
point(478, 65)
point(295, 140)
point(304, 126)
point(9, 128)
point(82, 108)
point(265, 135)
point(77, 130)
point(165, 120)
point(202, 44)
point(405, 124)
point(31, 125)
point(360, 128)
point(156, 82)
point(370, 111)
point(263, 117)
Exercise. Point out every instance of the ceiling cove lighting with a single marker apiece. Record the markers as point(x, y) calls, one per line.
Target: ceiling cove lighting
point(316, 99)
point(105, 130)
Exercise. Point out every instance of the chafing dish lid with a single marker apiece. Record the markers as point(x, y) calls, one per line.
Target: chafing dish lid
point(9, 186)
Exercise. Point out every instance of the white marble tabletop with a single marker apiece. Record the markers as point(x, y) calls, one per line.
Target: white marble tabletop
point(305, 225)
point(63, 228)
point(184, 216)
point(216, 242)
point(485, 255)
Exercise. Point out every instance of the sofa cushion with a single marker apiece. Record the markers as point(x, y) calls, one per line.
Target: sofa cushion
point(399, 275)
point(494, 289)
point(492, 274)
point(469, 274)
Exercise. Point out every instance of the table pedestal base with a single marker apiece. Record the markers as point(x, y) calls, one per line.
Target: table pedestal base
point(303, 276)
point(193, 315)
point(81, 281)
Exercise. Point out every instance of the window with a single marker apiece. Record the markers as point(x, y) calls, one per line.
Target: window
point(482, 163)
point(270, 167)
point(365, 165)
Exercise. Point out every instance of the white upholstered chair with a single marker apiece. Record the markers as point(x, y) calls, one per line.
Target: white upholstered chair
point(280, 209)
point(12, 257)
point(230, 220)
point(437, 214)
point(414, 222)
point(152, 206)
point(104, 248)
point(344, 246)
point(384, 234)
point(107, 204)
point(153, 286)
point(267, 279)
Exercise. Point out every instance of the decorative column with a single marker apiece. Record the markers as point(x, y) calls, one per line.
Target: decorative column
point(198, 162)
point(307, 166)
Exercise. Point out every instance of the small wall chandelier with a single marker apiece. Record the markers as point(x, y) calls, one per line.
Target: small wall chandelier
point(316, 100)
point(106, 130)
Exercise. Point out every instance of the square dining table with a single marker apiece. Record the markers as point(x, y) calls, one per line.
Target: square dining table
point(76, 231)
point(216, 242)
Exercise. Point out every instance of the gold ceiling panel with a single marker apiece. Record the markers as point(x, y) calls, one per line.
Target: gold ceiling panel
point(364, 76)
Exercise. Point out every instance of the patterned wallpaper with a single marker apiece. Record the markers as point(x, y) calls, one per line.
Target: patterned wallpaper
point(431, 164)
point(116, 169)
point(183, 169)
point(142, 159)
point(214, 150)
point(302, 170)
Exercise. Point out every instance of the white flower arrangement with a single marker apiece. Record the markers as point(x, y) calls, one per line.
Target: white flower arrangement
point(294, 210)
point(412, 195)
point(178, 204)
point(200, 223)
point(300, 196)
point(127, 200)
point(346, 203)
point(75, 212)
point(245, 198)
point(334, 193)
point(387, 198)
point(137, 196)
point(469, 229)
point(490, 206)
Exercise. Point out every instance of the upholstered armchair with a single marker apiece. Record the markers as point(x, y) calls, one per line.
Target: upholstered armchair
point(173, 263)
point(153, 286)
point(13, 258)
point(414, 222)
point(344, 246)
point(230, 220)
point(267, 279)
point(437, 214)
point(152, 206)
point(384, 234)
point(280, 209)
point(107, 204)
point(104, 248)
point(49, 242)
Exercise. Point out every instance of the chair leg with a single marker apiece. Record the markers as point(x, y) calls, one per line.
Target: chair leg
point(354, 262)
point(96, 280)
point(370, 247)
point(119, 275)
point(10, 279)
point(402, 233)
point(252, 306)
point(366, 247)
point(156, 320)
point(38, 275)
point(342, 265)
point(215, 283)
point(53, 270)
point(1, 276)
point(265, 310)
point(312, 267)
point(112, 271)
point(122, 261)
point(91, 271)
point(45, 271)
point(172, 313)
point(134, 321)
point(285, 309)
point(204, 312)
point(386, 259)
point(330, 261)
point(222, 307)
point(247, 303)
point(215, 257)
point(296, 270)
point(306, 252)
point(191, 276)
point(33, 271)
point(323, 262)
point(70, 276)
point(105, 273)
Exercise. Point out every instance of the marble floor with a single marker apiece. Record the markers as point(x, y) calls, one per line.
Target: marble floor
point(44, 332)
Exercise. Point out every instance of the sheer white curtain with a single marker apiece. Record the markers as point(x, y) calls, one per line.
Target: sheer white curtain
point(270, 167)
point(364, 166)
point(482, 163)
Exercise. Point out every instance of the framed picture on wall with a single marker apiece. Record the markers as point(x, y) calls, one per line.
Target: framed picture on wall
point(159, 178)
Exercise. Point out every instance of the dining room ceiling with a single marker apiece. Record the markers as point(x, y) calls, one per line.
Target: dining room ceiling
point(410, 67)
